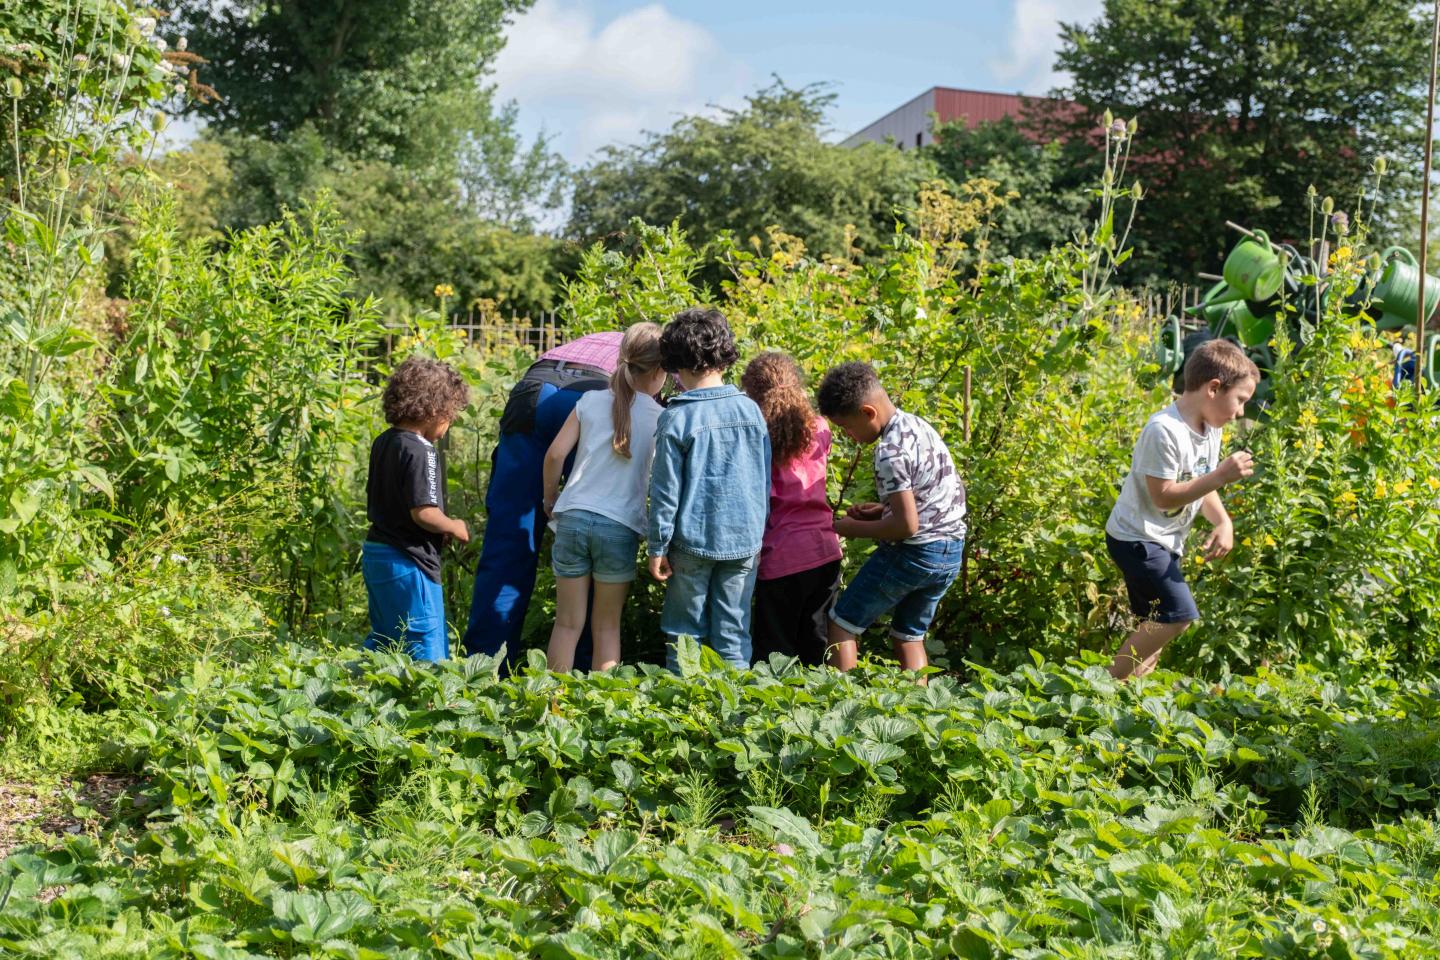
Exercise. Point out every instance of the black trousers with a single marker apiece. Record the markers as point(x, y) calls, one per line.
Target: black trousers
point(792, 614)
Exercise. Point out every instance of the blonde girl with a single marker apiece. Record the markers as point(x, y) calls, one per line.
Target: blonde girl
point(600, 515)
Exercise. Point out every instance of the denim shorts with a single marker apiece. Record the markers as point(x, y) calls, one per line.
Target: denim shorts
point(590, 545)
point(1157, 587)
point(908, 578)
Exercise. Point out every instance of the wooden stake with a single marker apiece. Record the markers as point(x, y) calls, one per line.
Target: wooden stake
point(1424, 317)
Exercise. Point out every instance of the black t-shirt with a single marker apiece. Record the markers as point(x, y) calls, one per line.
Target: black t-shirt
point(406, 471)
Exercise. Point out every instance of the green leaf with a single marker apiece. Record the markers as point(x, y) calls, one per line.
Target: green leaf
point(782, 824)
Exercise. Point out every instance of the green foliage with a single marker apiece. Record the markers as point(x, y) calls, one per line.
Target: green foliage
point(379, 807)
point(746, 170)
point(383, 81)
point(1052, 190)
point(1269, 99)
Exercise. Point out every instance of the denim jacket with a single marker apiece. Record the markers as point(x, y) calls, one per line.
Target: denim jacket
point(710, 481)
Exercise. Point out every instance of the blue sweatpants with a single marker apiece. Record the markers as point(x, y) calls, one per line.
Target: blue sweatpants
point(406, 607)
point(510, 551)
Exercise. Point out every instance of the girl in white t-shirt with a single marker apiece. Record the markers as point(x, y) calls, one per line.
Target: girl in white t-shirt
point(600, 515)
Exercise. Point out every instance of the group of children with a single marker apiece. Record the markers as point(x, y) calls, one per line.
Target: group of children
point(726, 487)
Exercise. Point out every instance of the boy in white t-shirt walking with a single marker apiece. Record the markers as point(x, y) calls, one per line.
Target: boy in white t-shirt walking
point(1175, 473)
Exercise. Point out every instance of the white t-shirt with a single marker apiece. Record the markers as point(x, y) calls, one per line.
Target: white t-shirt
point(1168, 449)
point(602, 481)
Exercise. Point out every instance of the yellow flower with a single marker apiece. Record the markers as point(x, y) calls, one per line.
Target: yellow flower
point(1381, 490)
point(1432, 483)
point(1348, 498)
point(1269, 540)
point(1358, 340)
point(1308, 418)
point(1247, 542)
point(1402, 487)
point(444, 290)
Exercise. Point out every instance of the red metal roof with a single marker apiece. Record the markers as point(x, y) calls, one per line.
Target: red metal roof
point(976, 106)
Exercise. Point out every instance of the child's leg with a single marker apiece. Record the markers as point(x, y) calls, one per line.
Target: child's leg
point(1140, 652)
point(932, 568)
point(605, 623)
point(406, 607)
point(571, 596)
point(843, 647)
point(771, 623)
point(732, 584)
point(683, 614)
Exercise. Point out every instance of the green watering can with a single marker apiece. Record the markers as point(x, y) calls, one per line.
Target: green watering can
point(1432, 357)
point(1398, 289)
point(1253, 269)
point(1169, 348)
point(1237, 321)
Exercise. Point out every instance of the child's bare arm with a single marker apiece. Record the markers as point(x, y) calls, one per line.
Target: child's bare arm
point(555, 457)
point(1222, 538)
point(902, 522)
point(432, 518)
point(1174, 494)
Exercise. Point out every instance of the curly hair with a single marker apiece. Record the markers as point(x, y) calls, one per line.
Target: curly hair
point(421, 389)
point(697, 339)
point(774, 381)
point(845, 388)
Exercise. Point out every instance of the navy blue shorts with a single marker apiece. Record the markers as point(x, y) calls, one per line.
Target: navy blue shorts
point(1157, 588)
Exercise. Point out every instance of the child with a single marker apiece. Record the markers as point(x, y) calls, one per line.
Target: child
point(1173, 476)
point(920, 519)
point(709, 491)
point(405, 500)
point(600, 516)
point(800, 556)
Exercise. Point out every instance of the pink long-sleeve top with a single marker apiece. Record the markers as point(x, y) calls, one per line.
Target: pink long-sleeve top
point(800, 535)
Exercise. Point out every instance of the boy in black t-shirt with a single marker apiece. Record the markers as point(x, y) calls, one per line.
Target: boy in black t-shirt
point(405, 500)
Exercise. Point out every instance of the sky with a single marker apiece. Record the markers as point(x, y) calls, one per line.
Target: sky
point(596, 72)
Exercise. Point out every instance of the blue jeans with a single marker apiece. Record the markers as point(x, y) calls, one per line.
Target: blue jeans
point(908, 578)
point(510, 548)
point(406, 607)
point(709, 600)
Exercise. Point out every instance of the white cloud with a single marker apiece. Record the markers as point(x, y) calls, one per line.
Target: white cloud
point(591, 84)
point(1034, 38)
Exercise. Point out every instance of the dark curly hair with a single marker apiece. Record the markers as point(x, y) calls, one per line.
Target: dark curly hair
point(421, 389)
point(697, 339)
point(845, 388)
point(775, 383)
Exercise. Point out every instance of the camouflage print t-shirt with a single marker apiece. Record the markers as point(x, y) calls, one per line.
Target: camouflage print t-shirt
point(911, 456)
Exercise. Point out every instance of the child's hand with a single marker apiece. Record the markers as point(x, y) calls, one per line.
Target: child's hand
point(660, 568)
point(865, 511)
point(1237, 466)
point(1220, 542)
point(460, 531)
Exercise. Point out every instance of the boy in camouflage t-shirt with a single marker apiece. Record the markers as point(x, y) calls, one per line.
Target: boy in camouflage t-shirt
point(919, 520)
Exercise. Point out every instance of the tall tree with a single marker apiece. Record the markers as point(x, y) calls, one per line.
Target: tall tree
point(394, 80)
point(1242, 104)
point(743, 170)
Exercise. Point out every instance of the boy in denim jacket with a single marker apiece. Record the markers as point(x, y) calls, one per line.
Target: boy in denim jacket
point(709, 491)
point(920, 521)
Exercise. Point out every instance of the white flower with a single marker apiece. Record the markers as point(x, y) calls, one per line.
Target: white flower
point(166, 66)
point(146, 25)
point(182, 44)
point(121, 61)
point(81, 59)
point(180, 88)
point(1318, 926)
point(159, 43)
point(179, 558)
point(164, 611)
point(920, 313)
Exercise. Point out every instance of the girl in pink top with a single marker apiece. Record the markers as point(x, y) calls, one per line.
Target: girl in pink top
point(800, 555)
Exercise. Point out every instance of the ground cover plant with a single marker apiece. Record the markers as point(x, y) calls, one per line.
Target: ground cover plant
point(348, 806)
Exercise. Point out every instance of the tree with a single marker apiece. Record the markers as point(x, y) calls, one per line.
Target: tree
point(1242, 104)
point(744, 170)
point(1053, 190)
point(393, 80)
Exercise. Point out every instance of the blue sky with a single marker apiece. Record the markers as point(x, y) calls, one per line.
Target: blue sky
point(592, 72)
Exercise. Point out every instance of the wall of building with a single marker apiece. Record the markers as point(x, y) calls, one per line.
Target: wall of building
point(903, 125)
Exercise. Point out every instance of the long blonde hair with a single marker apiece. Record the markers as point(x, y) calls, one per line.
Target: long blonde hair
point(639, 357)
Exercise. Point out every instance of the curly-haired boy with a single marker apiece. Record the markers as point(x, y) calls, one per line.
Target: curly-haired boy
point(405, 500)
point(709, 491)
